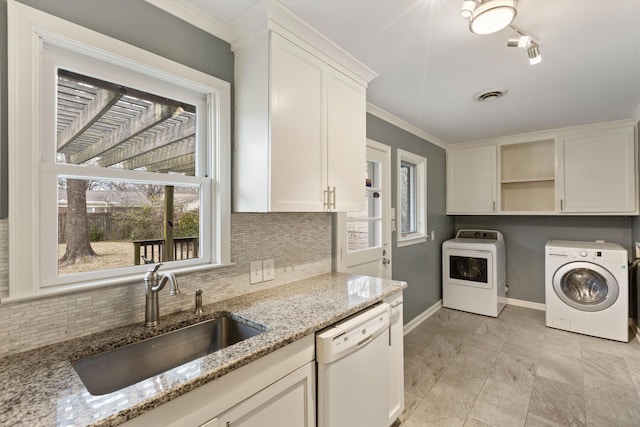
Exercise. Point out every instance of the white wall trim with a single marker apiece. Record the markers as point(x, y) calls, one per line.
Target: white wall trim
point(413, 323)
point(398, 122)
point(525, 304)
point(195, 16)
point(547, 134)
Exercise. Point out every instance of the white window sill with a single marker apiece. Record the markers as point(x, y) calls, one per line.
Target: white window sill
point(413, 239)
point(115, 281)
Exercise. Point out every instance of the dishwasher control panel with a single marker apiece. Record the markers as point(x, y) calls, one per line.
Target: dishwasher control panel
point(349, 335)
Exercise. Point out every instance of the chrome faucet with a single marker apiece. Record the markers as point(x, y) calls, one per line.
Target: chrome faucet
point(153, 284)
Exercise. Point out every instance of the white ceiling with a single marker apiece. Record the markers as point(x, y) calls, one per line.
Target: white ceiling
point(430, 65)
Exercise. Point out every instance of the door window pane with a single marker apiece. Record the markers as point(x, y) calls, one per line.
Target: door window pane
point(364, 228)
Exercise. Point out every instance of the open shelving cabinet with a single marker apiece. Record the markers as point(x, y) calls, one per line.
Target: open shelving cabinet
point(527, 177)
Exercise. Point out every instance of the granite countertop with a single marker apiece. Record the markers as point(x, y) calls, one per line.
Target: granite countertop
point(40, 387)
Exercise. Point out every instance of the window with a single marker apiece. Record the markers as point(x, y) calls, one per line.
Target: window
point(364, 229)
point(412, 198)
point(122, 153)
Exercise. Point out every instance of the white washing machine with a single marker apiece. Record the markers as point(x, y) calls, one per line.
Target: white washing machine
point(474, 273)
point(587, 288)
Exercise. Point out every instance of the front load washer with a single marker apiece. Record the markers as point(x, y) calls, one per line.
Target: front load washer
point(474, 272)
point(587, 288)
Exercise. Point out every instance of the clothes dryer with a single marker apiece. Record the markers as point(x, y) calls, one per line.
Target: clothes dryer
point(474, 272)
point(587, 288)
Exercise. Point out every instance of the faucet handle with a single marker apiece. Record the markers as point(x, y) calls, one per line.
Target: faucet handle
point(155, 268)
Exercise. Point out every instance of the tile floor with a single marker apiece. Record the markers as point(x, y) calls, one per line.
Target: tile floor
point(463, 369)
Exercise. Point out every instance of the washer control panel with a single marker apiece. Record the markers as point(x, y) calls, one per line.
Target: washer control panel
point(614, 258)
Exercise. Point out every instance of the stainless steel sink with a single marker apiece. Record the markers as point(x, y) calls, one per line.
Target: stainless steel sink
point(112, 370)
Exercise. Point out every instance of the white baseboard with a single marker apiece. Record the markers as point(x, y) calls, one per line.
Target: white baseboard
point(526, 304)
point(421, 317)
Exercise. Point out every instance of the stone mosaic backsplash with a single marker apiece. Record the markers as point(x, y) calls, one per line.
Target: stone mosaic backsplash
point(299, 243)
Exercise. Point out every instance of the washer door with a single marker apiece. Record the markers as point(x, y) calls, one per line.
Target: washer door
point(585, 286)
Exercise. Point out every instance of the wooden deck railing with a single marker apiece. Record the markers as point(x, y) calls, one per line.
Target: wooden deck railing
point(152, 250)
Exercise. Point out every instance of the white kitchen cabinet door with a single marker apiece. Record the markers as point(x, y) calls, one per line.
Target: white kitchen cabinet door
point(287, 402)
point(598, 172)
point(396, 358)
point(471, 180)
point(346, 142)
point(300, 131)
point(298, 155)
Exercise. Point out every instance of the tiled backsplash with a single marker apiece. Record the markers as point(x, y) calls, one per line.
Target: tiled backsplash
point(299, 243)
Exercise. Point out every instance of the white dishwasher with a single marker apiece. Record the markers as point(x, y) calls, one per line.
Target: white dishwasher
point(353, 370)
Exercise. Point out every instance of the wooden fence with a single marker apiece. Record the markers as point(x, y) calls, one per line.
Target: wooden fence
point(102, 223)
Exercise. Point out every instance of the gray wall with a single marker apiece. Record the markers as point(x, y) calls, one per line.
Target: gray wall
point(419, 265)
point(525, 237)
point(132, 21)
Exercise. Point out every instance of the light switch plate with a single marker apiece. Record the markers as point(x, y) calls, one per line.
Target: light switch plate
point(268, 270)
point(256, 272)
point(637, 249)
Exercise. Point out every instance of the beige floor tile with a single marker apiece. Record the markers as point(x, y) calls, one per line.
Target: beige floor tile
point(556, 403)
point(446, 403)
point(612, 402)
point(472, 370)
point(603, 369)
point(561, 368)
point(500, 410)
point(475, 422)
point(512, 375)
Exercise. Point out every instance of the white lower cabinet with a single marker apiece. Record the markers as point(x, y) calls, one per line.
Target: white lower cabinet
point(275, 390)
point(287, 402)
point(396, 358)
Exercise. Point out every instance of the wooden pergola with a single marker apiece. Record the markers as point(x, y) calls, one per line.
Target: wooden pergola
point(103, 124)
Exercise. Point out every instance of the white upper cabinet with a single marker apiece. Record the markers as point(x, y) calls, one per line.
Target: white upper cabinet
point(471, 180)
point(346, 129)
point(590, 172)
point(599, 172)
point(300, 135)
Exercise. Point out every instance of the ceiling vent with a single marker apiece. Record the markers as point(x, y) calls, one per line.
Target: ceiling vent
point(489, 95)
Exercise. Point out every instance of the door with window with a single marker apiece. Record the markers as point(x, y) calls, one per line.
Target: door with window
point(364, 236)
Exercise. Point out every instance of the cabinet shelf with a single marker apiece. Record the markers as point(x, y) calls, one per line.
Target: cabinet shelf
point(524, 180)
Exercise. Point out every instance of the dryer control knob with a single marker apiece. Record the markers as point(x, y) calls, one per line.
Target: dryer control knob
point(583, 253)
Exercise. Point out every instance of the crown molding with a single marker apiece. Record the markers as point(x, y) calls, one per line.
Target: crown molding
point(195, 16)
point(398, 122)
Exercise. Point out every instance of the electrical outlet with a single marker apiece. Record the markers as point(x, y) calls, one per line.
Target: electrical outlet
point(433, 235)
point(268, 270)
point(256, 272)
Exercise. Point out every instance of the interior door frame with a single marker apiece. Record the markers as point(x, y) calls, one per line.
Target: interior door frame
point(342, 257)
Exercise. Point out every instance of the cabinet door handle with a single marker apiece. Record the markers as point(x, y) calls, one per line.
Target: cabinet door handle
point(494, 205)
point(325, 199)
point(561, 208)
point(333, 203)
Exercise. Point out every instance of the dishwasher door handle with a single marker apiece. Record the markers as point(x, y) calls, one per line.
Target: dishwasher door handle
point(367, 340)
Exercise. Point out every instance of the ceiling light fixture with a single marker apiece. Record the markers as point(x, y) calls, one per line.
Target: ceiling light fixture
point(519, 40)
point(488, 16)
point(467, 8)
point(534, 53)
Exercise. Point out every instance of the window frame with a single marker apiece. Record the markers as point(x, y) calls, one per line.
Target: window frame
point(420, 202)
point(29, 165)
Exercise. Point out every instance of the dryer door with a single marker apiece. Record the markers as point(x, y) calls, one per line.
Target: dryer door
point(469, 267)
point(585, 286)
